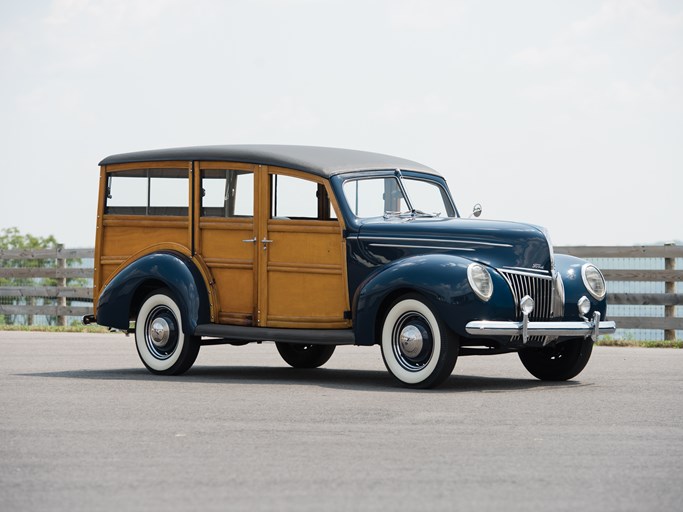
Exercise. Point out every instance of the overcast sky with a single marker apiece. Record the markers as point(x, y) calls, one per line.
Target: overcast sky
point(567, 114)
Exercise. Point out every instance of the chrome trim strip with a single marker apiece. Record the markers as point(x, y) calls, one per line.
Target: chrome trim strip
point(527, 272)
point(591, 328)
point(524, 269)
point(442, 240)
point(558, 296)
point(423, 247)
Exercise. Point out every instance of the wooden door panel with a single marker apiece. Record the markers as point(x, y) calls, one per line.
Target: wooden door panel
point(231, 263)
point(305, 281)
point(220, 231)
point(305, 299)
point(304, 243)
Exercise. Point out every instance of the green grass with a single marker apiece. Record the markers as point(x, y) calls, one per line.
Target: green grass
point(640, 343)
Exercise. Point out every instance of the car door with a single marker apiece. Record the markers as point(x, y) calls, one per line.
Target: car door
point(225, 237)
point(301, 253)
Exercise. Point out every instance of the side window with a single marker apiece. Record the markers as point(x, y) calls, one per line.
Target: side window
point(168, 192)
point(127, 193)
point(296, 198)
point(148, 192)
point(374, 197)
point(227, 193)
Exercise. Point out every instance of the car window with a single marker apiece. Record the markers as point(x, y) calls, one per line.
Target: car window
point(374, 197)
point(428, 197)
point(293, 198)
point(227, 193)
point(297, 198)
point(148, 192)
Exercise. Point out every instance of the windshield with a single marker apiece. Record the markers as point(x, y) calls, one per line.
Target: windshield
point(386, 196)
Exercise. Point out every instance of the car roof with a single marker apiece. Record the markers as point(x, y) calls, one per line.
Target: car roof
point(321, 161)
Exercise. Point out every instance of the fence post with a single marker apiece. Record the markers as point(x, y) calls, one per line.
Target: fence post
point(669, 287)
point(30, 318)
point(61, 281)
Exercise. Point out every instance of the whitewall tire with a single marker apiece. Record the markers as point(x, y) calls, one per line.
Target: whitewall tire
point(161, 343)
point(417, 349)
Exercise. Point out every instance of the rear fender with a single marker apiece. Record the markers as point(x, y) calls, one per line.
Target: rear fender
point(119, 301)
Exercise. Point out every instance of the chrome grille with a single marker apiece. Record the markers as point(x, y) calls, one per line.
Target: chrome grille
point(539, 288)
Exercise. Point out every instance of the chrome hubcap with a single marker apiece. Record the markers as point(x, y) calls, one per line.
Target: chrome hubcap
point(411, 341)
point(159, 332)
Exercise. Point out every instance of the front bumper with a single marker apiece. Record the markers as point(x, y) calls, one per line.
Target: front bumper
point(593, 328)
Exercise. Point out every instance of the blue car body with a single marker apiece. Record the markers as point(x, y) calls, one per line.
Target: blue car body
point(537, 298)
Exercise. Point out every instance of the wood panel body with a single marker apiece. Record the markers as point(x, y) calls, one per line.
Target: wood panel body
point(302, 270)
point(121, 237)
point(298, 280)
point(220, 243)
point(98, 280)
point(128, 235)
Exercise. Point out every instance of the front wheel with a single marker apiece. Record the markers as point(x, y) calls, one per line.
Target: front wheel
point(418, 349)
point(161, 343)
point(559, 362)
point(304, 356)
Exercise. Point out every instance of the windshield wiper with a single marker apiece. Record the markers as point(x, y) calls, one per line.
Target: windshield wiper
point(411, 214)
point(420, 213)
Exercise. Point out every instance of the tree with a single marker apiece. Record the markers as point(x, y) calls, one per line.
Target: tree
point(12, 238)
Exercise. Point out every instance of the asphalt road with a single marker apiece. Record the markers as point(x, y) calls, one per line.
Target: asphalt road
point(84, 427)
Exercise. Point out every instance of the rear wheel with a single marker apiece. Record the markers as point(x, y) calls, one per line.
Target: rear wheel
point(563, 361)
point(162, 345)
point(305, 356)
point(418, 350)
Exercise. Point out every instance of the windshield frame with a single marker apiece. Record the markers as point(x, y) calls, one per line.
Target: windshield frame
point(399, 175)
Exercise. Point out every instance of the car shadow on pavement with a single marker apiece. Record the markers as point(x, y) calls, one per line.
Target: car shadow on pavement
point(347, 379)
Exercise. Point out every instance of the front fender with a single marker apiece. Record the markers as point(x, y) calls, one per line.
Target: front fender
point(569, 267)
point(441, 279)
point(161, 269)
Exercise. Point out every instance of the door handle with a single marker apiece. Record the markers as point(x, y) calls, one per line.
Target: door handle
point(264, 242)
point(250, 240)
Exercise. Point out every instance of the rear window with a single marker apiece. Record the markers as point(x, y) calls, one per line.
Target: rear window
point(148, 192)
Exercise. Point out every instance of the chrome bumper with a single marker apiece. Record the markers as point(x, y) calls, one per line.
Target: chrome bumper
point(593, 328)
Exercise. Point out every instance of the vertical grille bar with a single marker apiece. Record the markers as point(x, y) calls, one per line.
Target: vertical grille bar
point(539, 288)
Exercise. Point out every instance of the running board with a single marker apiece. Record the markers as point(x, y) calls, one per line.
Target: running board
point(304, 336)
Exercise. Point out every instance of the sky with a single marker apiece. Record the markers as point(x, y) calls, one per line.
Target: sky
point(566, 114)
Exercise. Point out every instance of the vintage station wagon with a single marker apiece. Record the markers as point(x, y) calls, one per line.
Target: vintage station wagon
point(314, 247)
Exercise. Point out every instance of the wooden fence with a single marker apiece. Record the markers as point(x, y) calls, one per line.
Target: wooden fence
point(60, 272)
point(52, 264)
point(670, 323)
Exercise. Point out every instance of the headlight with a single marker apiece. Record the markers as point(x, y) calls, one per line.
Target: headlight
point(480, 281)
point(594, 281)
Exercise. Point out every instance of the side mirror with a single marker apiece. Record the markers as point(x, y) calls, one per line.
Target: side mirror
point(476, 211)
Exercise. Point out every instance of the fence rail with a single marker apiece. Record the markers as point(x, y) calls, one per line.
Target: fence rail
point(17, 265)
point(670, 323)
point(60, 293)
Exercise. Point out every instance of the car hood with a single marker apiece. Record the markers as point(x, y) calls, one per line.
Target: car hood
point(494, 243)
